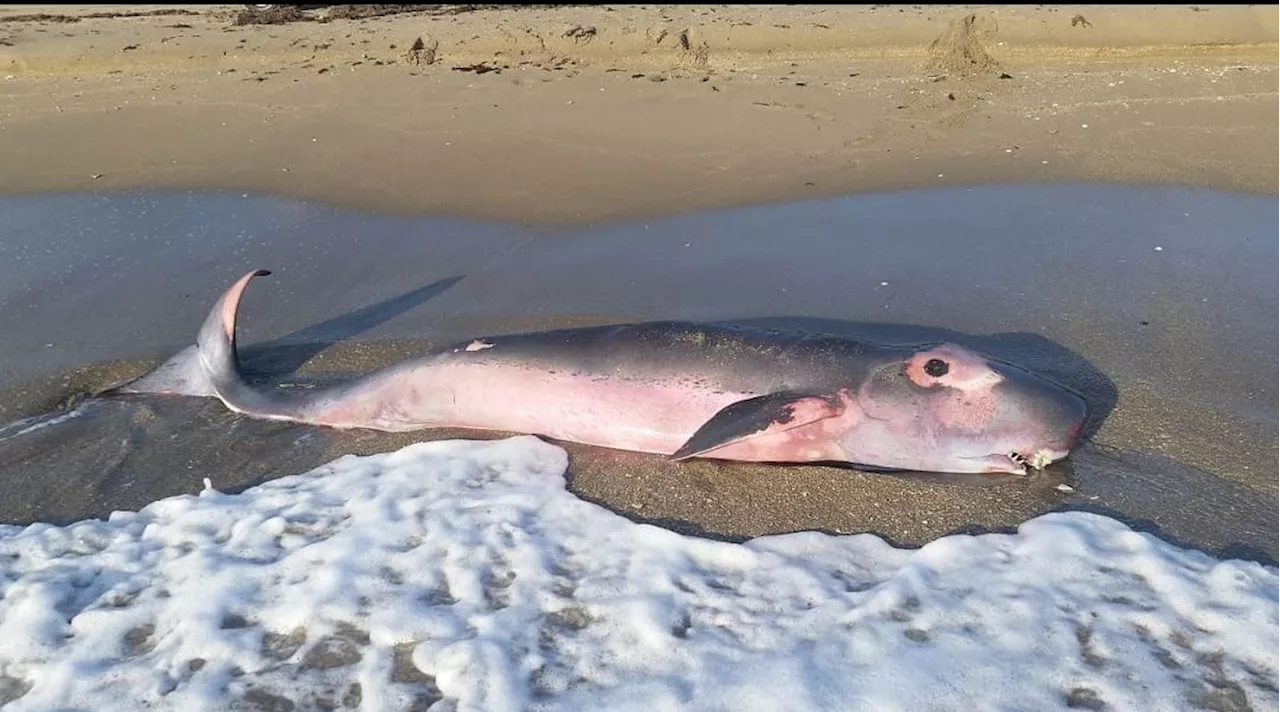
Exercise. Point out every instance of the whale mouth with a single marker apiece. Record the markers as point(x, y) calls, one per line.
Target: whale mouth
point(1037, 460)
point(1020, 463)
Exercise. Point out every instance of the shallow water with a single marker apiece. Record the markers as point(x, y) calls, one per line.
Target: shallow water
point(1159, 304)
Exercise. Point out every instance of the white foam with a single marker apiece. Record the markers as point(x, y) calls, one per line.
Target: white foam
point(463, 571)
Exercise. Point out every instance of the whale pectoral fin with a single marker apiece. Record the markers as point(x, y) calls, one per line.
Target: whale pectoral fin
point(755, 417)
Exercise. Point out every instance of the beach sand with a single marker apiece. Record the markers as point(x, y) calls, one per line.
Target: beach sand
point(582, 114)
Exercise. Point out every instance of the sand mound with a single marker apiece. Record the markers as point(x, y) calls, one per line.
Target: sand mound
point(960, 51)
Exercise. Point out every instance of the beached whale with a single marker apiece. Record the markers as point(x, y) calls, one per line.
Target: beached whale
point(679, 389)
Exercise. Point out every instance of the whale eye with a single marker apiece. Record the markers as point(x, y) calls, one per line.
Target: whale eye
point(936, 367)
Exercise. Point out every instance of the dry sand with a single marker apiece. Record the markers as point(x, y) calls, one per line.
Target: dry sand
point(578, 114)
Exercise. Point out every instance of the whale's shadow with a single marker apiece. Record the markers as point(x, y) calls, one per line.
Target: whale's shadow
point(285, 354)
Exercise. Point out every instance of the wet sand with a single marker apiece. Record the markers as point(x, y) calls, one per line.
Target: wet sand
point(574, 115)
point(564, 137)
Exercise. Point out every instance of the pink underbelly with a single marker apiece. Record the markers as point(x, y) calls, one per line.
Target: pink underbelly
point(646, 416)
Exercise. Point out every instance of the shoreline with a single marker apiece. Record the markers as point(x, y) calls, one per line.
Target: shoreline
point(527, 124)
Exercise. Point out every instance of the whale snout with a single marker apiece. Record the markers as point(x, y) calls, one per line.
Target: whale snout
point(1044, 418)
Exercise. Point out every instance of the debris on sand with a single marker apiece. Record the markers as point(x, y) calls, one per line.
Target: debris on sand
point(359, 12)
point(274, 15)
point(162, 12)
point(46, 17)
point(422, 52)
point(40, 17)
point(281, 14)
point(579, 33)
point(479, 68)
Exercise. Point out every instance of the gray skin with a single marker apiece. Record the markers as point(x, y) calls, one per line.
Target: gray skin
point(682, 390)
